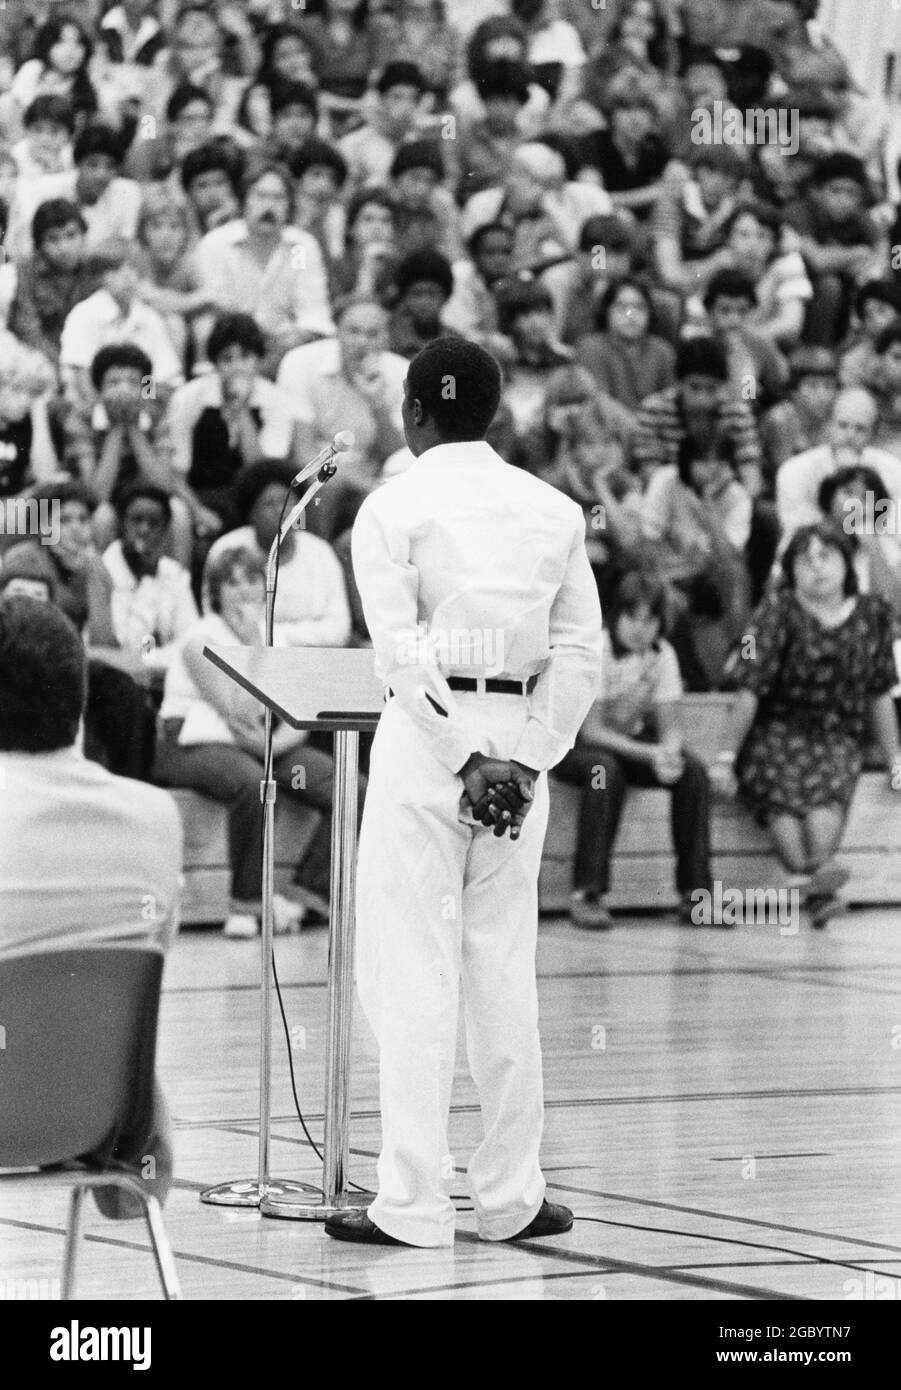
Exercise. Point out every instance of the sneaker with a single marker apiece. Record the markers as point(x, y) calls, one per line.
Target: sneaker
point(287, 915)
point(241, 926)
point(588, 909)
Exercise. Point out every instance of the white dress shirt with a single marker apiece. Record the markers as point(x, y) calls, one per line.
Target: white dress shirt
point(468, 566)
point(96, 321)
point(290, 292)
point(798, 482)
point(311, 607)
point(160, 607)
point(115, 213)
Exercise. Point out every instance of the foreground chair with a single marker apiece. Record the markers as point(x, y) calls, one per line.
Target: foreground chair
point(77, 1051)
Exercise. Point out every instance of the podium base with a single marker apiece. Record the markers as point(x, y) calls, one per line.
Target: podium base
point(312, 1205)
point(247, 1193)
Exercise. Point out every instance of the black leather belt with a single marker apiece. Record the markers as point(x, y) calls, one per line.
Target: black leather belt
point(493, 687)
point(490, 686)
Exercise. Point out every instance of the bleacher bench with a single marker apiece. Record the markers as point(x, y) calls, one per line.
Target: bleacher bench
point(643, 865)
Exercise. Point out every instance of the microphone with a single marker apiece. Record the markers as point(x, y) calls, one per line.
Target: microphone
point(342, 441)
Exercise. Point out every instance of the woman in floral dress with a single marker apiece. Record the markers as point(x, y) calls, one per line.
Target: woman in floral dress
point(818, 671)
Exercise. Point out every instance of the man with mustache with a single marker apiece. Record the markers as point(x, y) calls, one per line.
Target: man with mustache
point(259, 264)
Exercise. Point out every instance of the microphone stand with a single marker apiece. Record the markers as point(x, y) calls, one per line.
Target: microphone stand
point(246, 1192)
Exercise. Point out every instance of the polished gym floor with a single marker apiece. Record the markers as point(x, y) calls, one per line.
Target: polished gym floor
point(722, 1115)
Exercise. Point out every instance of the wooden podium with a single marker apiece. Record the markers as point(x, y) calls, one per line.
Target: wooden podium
point(333, 689)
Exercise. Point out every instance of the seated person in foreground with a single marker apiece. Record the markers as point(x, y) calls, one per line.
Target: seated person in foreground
point(631, 738)
point(212, 740)
point(85, 857)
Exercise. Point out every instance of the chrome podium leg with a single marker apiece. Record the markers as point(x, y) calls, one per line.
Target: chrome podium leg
point(334, 1195)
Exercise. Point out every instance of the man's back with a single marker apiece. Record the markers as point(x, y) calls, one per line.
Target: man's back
point(83, 854)
point(490, 544)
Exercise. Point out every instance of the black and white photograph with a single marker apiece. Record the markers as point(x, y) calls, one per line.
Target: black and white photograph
point(450, 668)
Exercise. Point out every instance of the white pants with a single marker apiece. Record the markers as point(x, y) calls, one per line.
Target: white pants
point(440, 901)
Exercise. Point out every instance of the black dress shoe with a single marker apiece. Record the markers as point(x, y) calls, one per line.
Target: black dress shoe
point(551, 1219)
point(357, 1226)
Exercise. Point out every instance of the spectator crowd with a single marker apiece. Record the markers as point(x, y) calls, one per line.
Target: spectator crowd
point(227, 229)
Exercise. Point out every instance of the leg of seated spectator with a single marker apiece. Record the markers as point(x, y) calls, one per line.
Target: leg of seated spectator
point(823, 827)
point(180, 543)
point(603, 779)
point(105, 526)
point(690, 825)
point(232, 777)
point(789, 842)
point(308, 773)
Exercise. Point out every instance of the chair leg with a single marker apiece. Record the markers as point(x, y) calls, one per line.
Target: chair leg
point(73, 1234)
point(162, 1250)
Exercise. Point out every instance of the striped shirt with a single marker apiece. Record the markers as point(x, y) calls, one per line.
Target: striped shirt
point(662, 428)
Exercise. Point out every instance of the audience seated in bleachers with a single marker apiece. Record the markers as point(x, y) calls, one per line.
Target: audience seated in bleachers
point(230, 227)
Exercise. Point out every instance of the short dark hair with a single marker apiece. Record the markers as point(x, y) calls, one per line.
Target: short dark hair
point(730, 284)
point(400, 74)
point(56, 109)
point(215, 155)
point(66, 490)
point(487, 229)
point(363, 197)
point(224, 564)
point(56, 212)
point(144, 491)
point(283, 94)
point(518, 297)
point(314, 153)
point(252, 481)
point(502, 77)
point(186, 94)
point(828, 534)
point(98, 137)
point(842, 478)
point(701, 357)
point(635, 590)
point(424, 266)
point(474, 377)
point(43, 677)
point(236, 329)
point(608, 230)
point(119, 355)
point(418, 154)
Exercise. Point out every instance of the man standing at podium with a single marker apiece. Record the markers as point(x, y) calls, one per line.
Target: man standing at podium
point(486, 625)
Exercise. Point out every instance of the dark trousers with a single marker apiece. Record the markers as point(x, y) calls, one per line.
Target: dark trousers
point(605, 777)
point(119, 725)
point(232, 776)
